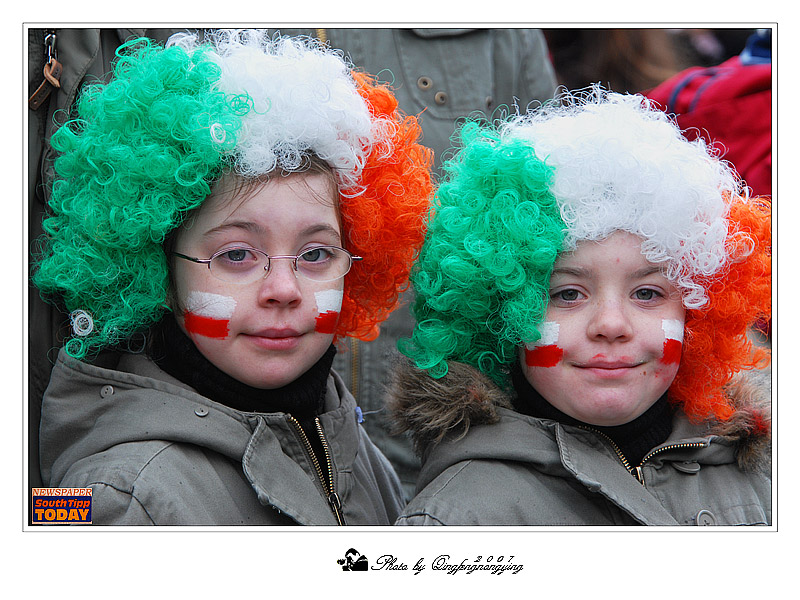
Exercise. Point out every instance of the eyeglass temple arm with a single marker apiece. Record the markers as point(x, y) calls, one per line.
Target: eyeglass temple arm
point(192, 258)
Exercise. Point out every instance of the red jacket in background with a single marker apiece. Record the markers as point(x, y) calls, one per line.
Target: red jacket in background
point(730, 106)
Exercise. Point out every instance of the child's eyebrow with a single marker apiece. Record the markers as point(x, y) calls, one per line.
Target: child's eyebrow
point(573, 271)
point(321, 228)
point(646, 271)
point(586, 272)
point(252, 227)
point(245, 225)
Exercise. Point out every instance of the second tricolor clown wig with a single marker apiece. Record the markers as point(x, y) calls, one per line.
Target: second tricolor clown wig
point(523, 191)
point(146, 147)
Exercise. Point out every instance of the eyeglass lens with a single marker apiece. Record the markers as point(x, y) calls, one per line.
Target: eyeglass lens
point(325, 263)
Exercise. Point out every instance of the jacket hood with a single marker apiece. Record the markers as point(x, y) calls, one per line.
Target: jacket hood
point(431, 409)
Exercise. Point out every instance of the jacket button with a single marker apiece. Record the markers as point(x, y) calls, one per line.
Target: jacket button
point(201, 412)
point(440, 97)
point(106, 391)
point(691, 467)
point(705, 517)
point(424, 83)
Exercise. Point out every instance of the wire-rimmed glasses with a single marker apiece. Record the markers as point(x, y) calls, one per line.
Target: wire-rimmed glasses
point(244, 264)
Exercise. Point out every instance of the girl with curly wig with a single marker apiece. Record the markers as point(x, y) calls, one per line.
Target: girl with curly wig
point(583, 301)
point(225, 211)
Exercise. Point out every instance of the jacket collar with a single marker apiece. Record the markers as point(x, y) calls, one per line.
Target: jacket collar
point(290, 463)
point(464, 399)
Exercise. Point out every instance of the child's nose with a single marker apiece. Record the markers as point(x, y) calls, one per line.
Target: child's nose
point(280, 286)
point(610, 321)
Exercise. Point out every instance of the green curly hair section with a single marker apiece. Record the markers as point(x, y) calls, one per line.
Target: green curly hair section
point(141, 153)
point(482, 277)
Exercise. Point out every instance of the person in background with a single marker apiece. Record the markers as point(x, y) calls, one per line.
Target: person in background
point(623, 60)
point(583, 299)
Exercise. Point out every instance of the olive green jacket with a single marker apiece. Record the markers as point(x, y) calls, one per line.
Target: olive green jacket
point(513, 469)
point(155, 452)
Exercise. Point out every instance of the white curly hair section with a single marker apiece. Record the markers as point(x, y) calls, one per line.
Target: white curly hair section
point(620, 163)
point(304, 100)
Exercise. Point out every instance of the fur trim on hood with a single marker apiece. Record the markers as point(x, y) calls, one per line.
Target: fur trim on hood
point(751, 423)
point(430, 409)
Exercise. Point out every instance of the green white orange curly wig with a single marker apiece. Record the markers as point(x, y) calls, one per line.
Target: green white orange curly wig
point(146, 148)
point(522, 191)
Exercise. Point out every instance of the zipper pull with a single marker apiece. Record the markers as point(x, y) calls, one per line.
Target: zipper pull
point(637, 472)
point(336, 506)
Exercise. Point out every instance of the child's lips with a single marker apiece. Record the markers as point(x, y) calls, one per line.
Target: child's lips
point(276, 339)
point(609, 369)
point(609, 364)
point(276, 333)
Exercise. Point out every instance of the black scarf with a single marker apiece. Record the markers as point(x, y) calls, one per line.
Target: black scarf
point(176, 354)
point(635, 439)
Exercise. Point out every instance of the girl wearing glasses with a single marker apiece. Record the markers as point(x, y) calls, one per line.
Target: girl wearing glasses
point(225, 211)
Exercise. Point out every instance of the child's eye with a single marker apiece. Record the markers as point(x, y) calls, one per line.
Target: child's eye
point(646, 294)
point(236, 255)
point(236, 258)
point(566, 296)
point(316, 255)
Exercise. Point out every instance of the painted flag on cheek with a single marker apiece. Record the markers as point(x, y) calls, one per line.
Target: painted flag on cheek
point(208, 314)
point(329, 305)
point(673, 341)
point(545, 352)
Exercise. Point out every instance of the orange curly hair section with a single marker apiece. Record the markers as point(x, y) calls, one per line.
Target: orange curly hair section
point(716, 345)
point(385, 224)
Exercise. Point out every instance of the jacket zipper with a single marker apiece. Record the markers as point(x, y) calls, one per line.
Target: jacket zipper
point(652, 453)
point(328, 484)
point(637, 471)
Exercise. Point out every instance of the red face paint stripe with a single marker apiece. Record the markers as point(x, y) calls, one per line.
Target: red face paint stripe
point(206, 326)
point(672, 352)
point(543, 356)
point(327, 321)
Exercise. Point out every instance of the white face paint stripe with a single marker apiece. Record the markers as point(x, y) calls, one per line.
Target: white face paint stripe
point(329, 301)
point(549, 331)
point(214, 306)
point(673, 329)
